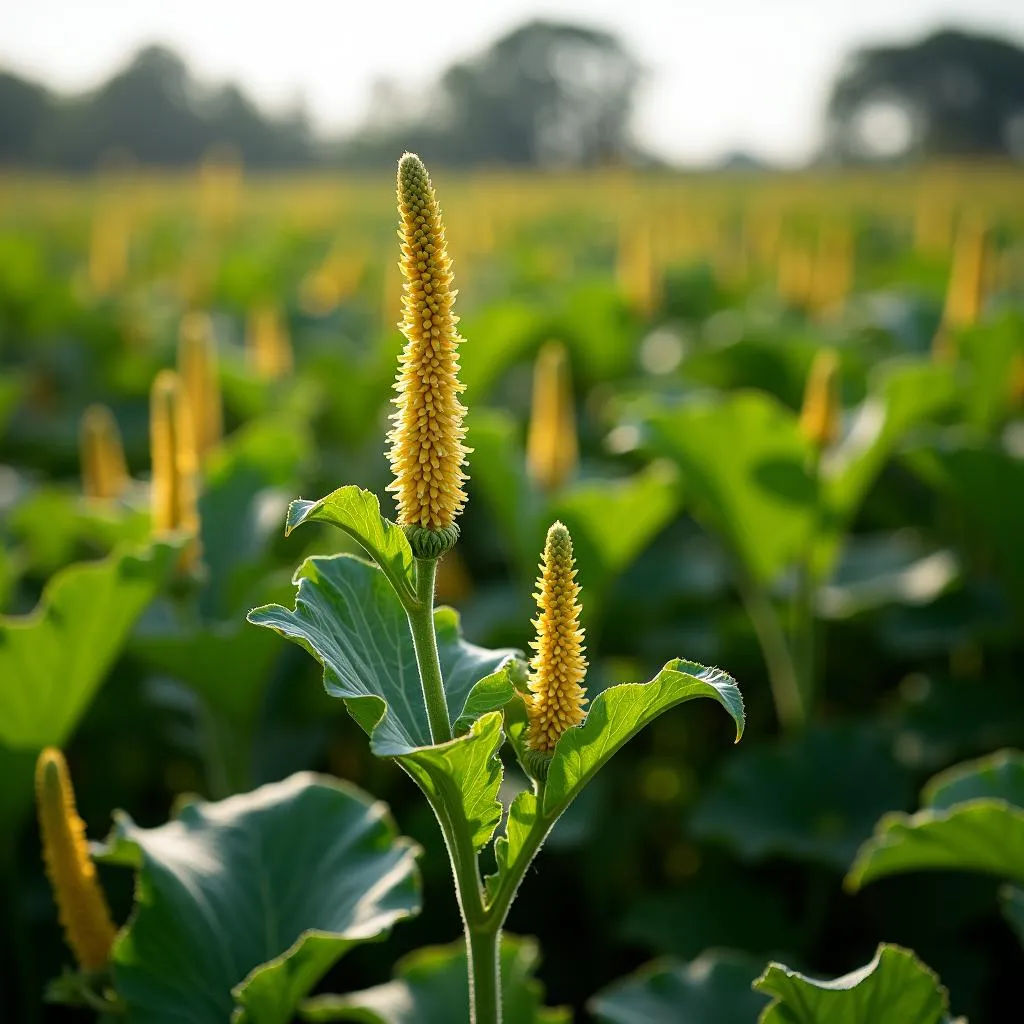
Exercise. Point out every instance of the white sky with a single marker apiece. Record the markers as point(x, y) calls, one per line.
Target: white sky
point(724, 74)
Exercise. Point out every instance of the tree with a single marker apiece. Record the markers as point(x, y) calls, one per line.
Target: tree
point(546, 93)
point(951, 94)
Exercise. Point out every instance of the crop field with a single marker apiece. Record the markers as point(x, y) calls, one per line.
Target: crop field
point(773, 422)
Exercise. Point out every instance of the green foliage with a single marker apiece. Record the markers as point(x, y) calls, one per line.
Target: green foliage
point(243, 905)
point(713, 989)
point(893, 989)
point(430, 988)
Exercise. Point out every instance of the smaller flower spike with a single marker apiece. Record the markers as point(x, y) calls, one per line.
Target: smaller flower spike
point(819, 418)
point(427, 454)
point(104, 473)
point(556, 698)
point(552, 450)
point(83, 907)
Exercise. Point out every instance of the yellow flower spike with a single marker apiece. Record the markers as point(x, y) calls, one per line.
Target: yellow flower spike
point(104, 473)
point(965, 294)
point(173, 456)
point(81, 903)
point(197, 367)
point(819, 418)
point(636, 269)
point(552, 450)
point(556, 698)
point(268, 345)
point(427, 455)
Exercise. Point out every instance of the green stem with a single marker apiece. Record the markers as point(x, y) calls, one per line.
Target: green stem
point(803, 624)
point(421, 624)
point(782, 673)
point(482, 946)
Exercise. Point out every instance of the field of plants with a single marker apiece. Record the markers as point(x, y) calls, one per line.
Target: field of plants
point(774, 424)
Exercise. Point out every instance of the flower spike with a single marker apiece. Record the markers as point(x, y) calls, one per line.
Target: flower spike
point(427, 455)
point(556, 698)
point(83, 907)
point(104, 473)
point(552, 450)
point(819, 418)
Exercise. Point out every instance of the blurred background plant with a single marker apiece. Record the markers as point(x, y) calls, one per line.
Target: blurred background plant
point(778, 408)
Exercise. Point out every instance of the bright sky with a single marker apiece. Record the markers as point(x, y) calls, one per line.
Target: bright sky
point(724, 74)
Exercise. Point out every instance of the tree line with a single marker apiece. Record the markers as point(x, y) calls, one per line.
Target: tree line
point(545, 94)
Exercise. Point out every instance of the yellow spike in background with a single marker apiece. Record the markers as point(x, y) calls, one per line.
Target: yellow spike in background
point(557, 697)
point(820, 416)
point(197, 368)
point(108, 251)
point(965, 294)
point(81, 903)
point(268, 345)
point(427, 454)
point(173, 454)
point(552, 449)
point(104, 473)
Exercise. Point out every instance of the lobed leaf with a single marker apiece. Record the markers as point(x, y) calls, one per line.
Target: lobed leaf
point(242, 905)
point(894, 988)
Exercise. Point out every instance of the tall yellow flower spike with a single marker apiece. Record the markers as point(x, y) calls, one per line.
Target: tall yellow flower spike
point(552, 450)
point(173, 455)
point(556, 698)
point(819, 418)
point(83, 908)
point(104, 473)
point(197, 367)
point(427, 455)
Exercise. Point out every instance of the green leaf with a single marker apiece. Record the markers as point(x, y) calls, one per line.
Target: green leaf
point(744, 467)
point(988, 483)
point(713, 989)
point(53, 661)
point(972, 820)
point(619, 713)
point(465, 774)
point(902, 393)
point(979, 835)
point(998, 776)
point(431, 987)
point(611, 522)
point(249, 476)
point(242, 905)
point(522, 813)
point(814, 797)
point(895, 988)
point(357, 513)
point(350, 619)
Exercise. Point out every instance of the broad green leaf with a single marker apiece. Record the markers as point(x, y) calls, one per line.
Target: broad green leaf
point(902, 393)
point(242, 905)
point(619, 713)
point(998, 776)
point(744, 467)
point(988, 483)
point(713, 989)
point(431, 987)
point(979, 835)
point(814, 797)
point(611, 522)
point(895, 988)
point(522, 813)
point(53, 661)
point(988, 350)
point(972, 820)
point(350, 619)
point(357, 513)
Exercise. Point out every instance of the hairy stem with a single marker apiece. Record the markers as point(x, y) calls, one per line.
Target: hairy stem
point(421, 623)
